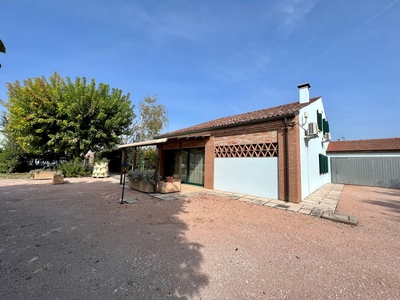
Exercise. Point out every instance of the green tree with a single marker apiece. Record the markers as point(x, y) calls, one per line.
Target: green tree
point(12, 157)
point(65, 116)
point(153, 117)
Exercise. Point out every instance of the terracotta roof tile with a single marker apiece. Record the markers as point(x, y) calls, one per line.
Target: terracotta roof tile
point(389, 144)
point(262, 114)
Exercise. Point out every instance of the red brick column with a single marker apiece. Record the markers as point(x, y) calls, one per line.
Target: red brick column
point(209, 156)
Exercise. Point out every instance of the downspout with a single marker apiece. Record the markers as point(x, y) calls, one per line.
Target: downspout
point(286, 161)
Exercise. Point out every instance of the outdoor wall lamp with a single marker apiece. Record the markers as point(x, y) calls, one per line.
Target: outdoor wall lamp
point(124, 170)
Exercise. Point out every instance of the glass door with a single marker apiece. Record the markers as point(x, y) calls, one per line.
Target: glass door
point(195, 172)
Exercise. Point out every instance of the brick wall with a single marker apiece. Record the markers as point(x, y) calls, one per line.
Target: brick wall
point(267, 132)
point(209, 157)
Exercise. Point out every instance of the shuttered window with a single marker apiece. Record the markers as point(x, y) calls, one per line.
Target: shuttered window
point(325, 126)
point(319, 121)
point(323, 164)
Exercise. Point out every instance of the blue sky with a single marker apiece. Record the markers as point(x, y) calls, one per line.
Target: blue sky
point(211, 59)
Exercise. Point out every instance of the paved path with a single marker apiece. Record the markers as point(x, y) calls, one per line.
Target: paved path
point(323, 200)
point(322, 203)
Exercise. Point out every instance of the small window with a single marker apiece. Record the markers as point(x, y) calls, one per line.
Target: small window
point(323, 164)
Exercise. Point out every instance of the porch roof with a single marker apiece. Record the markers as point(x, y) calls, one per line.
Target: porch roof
point(144, 143)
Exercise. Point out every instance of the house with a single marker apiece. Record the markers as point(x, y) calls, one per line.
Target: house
point(277, 152)
point(374, 162)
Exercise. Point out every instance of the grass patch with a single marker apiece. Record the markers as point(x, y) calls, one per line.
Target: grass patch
point(15, 176)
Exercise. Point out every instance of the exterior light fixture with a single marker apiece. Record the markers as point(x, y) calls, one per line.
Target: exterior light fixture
point(124, 170)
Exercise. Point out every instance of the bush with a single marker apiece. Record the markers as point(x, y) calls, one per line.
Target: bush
point(73, 169)
point(138, 175)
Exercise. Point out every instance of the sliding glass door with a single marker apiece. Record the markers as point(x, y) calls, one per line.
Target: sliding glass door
point(189, 168)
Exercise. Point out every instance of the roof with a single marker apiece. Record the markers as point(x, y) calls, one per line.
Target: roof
point(375, 145)
point(262, 115)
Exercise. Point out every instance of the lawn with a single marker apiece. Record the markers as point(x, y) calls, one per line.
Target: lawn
point(14, 176)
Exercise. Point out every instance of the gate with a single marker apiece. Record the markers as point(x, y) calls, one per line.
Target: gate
point(369, 171)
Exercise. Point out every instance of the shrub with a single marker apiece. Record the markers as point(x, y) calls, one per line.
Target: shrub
point(73, 169)
point(138, 175)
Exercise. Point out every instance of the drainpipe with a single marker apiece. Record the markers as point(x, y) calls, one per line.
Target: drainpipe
point(286, 161)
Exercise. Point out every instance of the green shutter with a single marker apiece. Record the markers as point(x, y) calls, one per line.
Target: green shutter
point(326, 163)
point(319, 121)
point(323, 164)
point(320, 164)
point(326, 126)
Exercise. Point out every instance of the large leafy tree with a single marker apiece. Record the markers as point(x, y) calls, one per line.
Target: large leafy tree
point(65, 116)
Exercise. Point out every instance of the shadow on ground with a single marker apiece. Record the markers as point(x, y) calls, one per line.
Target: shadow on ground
point(75, 241)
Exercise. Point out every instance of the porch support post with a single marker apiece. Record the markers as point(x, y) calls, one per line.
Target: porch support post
point(180, 160)
point(156, 170)
point(134, 157)
point(122, 161)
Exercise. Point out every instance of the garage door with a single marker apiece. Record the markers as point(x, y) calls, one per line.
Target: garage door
point(369, 171)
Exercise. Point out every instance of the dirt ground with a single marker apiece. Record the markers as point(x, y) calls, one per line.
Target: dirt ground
point(74, 241)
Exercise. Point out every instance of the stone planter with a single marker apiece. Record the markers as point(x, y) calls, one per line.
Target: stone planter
point(57, 179)
point(44, 175)
point(141, 186)
point(100, 169)
point(146, 187)
point(134, 185)
point(165, 187)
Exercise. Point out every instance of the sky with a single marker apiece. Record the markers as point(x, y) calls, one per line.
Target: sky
point(208, 59)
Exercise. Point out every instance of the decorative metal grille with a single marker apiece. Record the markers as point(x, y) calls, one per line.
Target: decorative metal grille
point(249, 150)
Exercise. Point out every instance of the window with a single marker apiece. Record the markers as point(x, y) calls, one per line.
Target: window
point(323, 164)
point(319, 121)
point(325, 126)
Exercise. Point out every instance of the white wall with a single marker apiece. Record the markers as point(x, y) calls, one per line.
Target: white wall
point(247, 175)
point(310, 149)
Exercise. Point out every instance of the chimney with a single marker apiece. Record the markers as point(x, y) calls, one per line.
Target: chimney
point(304, 92)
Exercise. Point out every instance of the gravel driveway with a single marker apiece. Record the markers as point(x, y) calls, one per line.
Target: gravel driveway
point(75, 241)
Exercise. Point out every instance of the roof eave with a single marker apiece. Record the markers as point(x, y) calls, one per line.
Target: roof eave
point(281, 117)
